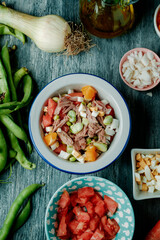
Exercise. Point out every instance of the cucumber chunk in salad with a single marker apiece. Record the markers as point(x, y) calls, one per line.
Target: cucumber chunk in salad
point(72, 116)
point(55, 99)
point(108, 120)
point(76, 128)
point(69, 149)
point(100, 146)
point(85, 121)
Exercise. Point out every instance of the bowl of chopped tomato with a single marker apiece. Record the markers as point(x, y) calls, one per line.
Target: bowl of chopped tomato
point(79, 123)
point(157, 20)
point(89, 208)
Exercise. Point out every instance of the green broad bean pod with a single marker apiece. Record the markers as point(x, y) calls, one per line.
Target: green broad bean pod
point(3, 151)
point(18, 76)
point(5, 30)
point(27, 88)
point(22, 216)
point(12, 153)
point(6, 62)
point(10, 103)
point(20, 157)
point(14, 209)
point(9, 107)
point(15, 129)
point(4, 84)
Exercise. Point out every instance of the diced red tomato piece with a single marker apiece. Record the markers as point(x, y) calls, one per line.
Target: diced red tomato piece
point(76, 94)
point(64, 200)
point(73, 198)
point(86, 235)
point(111, 205)
point(100, 227)
point(73, 225)
point(85, 192)
point(77, 227)
point(111, 227)
point(62, 212)
point(154, 234)
point(96, 198)
point(83, 217)
point(82, 226)
point(100, 208)
point(62, 115)
point(109, 237)
point(111, 138)
point(62, 229)
point(108, 230)
point(93, 224)
point(98, 235)
point(74, 238)
point(82, 201)
point(47, 120)
point(51, 107)
point(90, 208)
point(65, 128)
point(116, 225)
point(69, 217)
point(60, 148)
point(89, 230)
point(112, 110)
point(68, 236)
point(104, 220)
point(77, 210)
point(76, 103)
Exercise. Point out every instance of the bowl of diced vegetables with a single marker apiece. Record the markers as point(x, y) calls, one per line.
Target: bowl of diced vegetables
point(146, 173)
point(89, 208)
point(79, 123)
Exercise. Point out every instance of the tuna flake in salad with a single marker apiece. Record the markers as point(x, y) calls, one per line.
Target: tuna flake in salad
point(78, 126)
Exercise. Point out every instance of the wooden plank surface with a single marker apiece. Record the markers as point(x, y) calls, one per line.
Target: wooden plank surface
point(102, 60)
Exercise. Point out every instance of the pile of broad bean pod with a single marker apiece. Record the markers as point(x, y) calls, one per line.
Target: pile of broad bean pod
point(11, 129)
point(12, 132)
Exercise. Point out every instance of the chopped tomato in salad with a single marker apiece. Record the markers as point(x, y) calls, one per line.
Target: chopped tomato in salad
point(87, 221)
point(85, 125)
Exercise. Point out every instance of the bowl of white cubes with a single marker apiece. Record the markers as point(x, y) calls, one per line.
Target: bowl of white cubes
point(140, 69)
point(146, 173)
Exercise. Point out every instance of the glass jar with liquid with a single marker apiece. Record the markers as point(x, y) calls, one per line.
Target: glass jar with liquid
point(107, 18)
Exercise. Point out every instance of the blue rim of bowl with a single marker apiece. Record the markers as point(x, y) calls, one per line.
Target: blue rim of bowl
point(77, 179)
point(70, 172)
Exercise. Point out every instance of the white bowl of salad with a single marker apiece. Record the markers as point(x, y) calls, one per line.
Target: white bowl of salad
point(79, 123)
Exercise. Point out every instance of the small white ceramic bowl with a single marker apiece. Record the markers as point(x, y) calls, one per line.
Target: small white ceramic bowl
point(105, 90)
point(138, 194)
point(155, 20)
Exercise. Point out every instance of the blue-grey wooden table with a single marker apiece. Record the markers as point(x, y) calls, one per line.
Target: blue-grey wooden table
point(103, 61)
